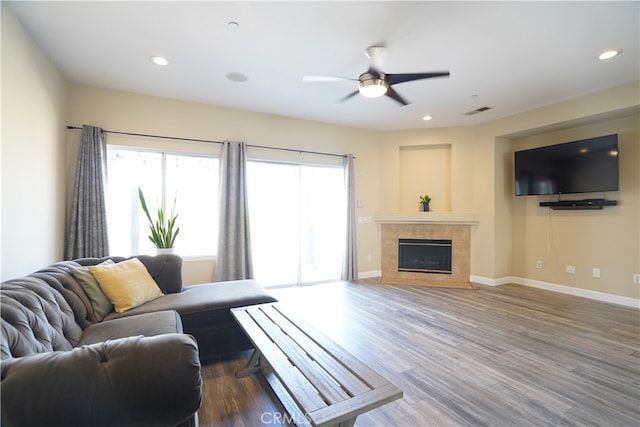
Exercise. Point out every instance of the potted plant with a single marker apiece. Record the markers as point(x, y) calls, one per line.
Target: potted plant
point(163, 229)
point(424, 201)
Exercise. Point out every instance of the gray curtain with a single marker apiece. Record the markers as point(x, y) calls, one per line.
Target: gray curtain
point(234, 242)
point(350, 261)
point(88, 227)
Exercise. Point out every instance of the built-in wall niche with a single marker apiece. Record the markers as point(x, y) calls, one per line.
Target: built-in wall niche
point(425, 169)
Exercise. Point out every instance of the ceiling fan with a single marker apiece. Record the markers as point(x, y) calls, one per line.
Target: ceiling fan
point(374, 82)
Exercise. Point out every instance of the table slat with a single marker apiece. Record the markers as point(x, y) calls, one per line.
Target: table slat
point(350, 409)
point(318, 382)
point(303, 392)
point(353, 364)
point(329, 362)
point(323, 382)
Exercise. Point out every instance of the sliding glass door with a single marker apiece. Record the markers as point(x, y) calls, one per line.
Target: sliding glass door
point(297, 215)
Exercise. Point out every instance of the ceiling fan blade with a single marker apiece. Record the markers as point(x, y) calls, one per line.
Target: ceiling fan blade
point(394, 95)
point(351, 95)
point(323, 79)
point(401, 78)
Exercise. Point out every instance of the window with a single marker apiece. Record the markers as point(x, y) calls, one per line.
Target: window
point(189, 180)
point(297, 219)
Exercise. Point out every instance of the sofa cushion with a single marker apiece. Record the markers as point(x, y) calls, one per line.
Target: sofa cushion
point(57, 276)
point(129, 382)
point(147, 324)
point(197, 303)
point(35, 319)
point(99, 301)
point(206, 313)
point(127, 284)
point(166, 270)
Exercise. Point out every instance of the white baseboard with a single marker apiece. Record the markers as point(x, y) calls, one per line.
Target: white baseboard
point(585, 293)
point(369, 274)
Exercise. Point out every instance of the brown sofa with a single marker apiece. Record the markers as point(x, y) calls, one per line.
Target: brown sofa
point(62, 366)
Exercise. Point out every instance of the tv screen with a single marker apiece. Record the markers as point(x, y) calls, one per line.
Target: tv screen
point(585, 166)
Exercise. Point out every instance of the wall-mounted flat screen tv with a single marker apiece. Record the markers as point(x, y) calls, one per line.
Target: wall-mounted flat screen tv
point(585, 166)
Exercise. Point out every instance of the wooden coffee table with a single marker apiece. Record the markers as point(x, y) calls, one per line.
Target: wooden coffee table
point(318, 382)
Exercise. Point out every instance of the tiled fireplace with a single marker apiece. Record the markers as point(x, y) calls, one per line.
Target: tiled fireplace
point(459, 234)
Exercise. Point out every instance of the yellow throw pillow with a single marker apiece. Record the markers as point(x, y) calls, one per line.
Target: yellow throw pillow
point(127, 284)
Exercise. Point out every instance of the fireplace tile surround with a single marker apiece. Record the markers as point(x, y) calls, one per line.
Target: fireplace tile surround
point(443, 225)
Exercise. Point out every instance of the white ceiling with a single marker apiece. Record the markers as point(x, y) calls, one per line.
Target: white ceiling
point(511, 56)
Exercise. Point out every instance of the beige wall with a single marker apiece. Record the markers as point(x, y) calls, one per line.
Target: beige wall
point(495, 229)
point(425, 169)
point(34, 99)
point(469, 180)
point(37, 104)
point(114, 110)
point(458, 142)
point(482, 176)
point(586, 239)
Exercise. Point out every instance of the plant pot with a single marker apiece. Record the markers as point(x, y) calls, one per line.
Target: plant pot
point(425, 207)
point(165, 251)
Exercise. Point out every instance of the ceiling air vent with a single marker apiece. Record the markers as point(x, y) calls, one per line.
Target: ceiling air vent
point(477, 110)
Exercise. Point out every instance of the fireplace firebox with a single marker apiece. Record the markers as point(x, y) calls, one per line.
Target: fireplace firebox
point(424, 255)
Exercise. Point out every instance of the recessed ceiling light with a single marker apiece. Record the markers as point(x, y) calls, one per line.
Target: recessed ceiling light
point(608, 54)
point(236, 77)
point(159, 60)
point(233, 25)
point(427, 118)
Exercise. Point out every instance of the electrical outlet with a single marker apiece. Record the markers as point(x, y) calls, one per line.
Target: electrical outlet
point(571, 269)
point(636, 278)
point(596, 273)
point(539, 265)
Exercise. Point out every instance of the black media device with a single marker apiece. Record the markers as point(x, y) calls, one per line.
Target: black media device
point(585, 166)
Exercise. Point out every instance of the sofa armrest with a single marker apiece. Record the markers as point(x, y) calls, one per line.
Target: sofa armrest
point(135, 381)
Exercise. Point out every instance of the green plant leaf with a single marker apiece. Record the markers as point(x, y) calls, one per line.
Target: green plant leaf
point(163, 230)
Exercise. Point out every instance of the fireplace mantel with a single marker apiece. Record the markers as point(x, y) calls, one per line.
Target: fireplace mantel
point(463, 218)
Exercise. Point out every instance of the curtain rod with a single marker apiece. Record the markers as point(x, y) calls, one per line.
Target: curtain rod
point(176, 138)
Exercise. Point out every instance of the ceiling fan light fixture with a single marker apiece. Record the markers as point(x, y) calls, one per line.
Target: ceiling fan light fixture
point(373, 88)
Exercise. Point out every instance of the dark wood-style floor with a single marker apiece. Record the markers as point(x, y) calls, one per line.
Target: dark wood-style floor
point(504, 356)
